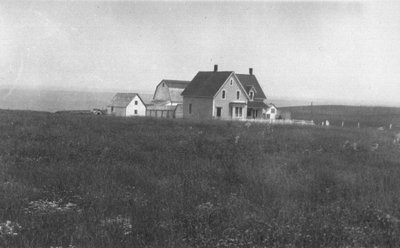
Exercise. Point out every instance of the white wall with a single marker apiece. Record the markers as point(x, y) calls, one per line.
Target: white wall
point(272, 115)
point(230, 97)
point(140, 107)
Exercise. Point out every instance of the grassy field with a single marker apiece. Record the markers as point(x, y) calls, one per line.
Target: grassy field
point(95, 181)
point(351, 115)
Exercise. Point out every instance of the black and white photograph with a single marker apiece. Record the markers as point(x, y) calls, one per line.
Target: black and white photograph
point(199, 124)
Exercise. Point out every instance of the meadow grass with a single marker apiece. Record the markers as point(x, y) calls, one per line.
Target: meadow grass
point(98, 181)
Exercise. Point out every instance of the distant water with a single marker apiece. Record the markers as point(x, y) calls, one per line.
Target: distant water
point(52, 100)
point(58, 100)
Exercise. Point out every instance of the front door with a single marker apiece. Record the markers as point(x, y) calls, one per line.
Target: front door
point(249, 110)
point(238, 112)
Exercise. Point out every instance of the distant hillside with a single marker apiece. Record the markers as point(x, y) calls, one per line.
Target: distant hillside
point(351, 115)
point(52, 100)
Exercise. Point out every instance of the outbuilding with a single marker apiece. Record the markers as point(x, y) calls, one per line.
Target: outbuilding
point(271, 112)
point(127, 104)
point(167, 100)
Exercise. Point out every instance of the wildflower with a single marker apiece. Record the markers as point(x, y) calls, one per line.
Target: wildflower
point(44, 206)
point(374, 147)
point(123, 223)
point(9, 228)
point(205, 206)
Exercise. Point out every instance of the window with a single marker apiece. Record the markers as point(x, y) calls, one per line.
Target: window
point(190, 108)
point(238, 111)
point(251, 95)
point(237, 95)
point(219, 111)
point(231, 81)
point(163, 84)
point(223, 94)
point(268, 116)
point(272, 111)
point(136, 102)
point(112, 109)
point(135, 111)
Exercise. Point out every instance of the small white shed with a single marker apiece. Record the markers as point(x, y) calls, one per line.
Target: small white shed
point(127, 104)
point(271, 112)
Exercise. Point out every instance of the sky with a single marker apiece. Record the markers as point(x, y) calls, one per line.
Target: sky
point(340, 50)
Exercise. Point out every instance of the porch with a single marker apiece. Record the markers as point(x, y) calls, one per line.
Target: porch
point(255, 110)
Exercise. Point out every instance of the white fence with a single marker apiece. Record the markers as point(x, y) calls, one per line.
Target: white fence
point(280, 122)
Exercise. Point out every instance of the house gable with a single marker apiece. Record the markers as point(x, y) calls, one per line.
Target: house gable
point(249, 81)
point(231, 100)
point(136, 107)
point(231, 86)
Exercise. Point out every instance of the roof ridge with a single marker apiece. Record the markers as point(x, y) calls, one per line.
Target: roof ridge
point(217, 71)
point(176, 80)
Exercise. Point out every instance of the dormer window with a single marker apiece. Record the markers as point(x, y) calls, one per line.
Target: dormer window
point(223, 94)
point(251, 95)
point(237, 95)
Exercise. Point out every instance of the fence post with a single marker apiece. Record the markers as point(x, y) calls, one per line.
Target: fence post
point(358, 125)
point(342, 123)
point(390, 126)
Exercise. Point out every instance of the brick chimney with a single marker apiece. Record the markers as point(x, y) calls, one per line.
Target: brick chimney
point(215, 68)
point(251, 71)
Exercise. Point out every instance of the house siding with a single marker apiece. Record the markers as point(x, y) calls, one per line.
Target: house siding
point(141, 108)
point(230, 96)
point(119, 111)
point(201, 107)
point(269, 114)
point(179, 111)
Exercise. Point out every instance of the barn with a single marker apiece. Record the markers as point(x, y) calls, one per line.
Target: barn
point(167, 100)
point(168, 92)
point(127, 104)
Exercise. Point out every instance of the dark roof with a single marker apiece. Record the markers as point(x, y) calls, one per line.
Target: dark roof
point(257, 104)
point(180, 84)
point(251, 80)
point(249, 87)
point(206, 83)
point(122, 99)
point(146, 98)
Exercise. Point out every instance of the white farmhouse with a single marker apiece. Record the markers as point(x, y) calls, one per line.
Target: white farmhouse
point(127, 104)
